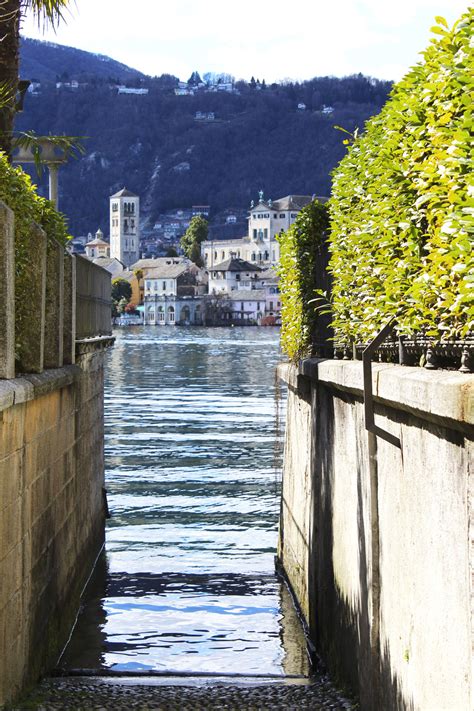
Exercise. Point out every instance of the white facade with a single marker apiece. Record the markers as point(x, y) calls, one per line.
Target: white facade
point(124, 227)
point(232, 275)
point(266, 220)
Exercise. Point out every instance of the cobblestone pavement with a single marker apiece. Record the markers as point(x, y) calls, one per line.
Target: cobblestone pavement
point(99, 694)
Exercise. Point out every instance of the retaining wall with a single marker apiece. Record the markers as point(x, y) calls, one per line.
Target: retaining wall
point(51, 509)
point(376, 539)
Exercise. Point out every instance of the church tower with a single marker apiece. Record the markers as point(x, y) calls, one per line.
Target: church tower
point(124, 227)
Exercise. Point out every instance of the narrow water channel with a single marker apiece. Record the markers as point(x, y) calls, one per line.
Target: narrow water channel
point(187, 583)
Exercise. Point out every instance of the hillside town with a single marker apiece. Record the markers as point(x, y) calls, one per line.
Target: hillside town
point(234, 283)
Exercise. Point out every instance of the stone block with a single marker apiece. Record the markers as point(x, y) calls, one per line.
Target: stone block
point(30, 306)
point(11, 478)
point(7, 293)
point(54, 325)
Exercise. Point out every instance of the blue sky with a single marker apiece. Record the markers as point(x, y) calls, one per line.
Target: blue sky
point(271, 40)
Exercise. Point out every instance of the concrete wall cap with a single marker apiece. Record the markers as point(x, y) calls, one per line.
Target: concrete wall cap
point(29, 386)
point(439, 393)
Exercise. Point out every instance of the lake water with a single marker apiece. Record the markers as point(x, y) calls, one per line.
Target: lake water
point(188, 582)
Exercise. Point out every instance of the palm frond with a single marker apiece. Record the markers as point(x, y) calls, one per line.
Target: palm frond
point(47, 12)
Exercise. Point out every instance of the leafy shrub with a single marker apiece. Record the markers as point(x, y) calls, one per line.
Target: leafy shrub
point(402, 205)
point(300, 249)
point(17, 191)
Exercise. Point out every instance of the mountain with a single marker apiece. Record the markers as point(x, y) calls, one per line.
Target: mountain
point(217, 146)
point(46, 61)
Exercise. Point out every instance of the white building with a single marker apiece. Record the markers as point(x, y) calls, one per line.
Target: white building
point(266, 220)
point(173, 295)
point(124, 227)
point(247, 306)
point(233, 274)
point(97, 247)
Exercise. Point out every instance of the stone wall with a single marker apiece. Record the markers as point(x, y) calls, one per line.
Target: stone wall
point(51, 510)
point(375, 538)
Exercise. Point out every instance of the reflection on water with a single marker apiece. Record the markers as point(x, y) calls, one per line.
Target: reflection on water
point(188, 582)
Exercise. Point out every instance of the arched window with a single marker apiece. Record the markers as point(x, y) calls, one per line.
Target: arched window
point(170, 314)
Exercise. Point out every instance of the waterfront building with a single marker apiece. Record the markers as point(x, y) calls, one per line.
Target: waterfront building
point(247, 307)
point(124, 227)
point(174, 294)
point(232, 274)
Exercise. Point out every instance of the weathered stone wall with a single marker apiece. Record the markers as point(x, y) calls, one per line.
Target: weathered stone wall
point(51, 511)
point(376, 540)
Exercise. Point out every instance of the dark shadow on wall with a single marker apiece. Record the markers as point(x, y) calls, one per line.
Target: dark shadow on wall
point(340, 627)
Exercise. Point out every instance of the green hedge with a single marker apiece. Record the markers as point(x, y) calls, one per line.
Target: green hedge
point(299, 252)
point(403, 203)
point(17, 191)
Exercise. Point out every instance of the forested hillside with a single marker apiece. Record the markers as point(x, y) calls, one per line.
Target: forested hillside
point(153, 144)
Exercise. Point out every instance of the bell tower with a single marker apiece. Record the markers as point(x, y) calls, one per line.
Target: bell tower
point(125, 227)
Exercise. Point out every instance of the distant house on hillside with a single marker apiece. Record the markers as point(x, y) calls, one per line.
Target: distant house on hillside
point(121, 89)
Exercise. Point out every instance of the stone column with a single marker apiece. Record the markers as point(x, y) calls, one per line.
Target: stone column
point(30, 305)
point(53, 350)
point(7, 293)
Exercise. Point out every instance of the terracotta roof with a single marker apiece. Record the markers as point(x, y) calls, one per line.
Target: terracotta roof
point(235, 264)
point(124, 193)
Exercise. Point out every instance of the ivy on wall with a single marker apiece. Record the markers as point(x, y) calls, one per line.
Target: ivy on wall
point(299, 252)
point(402, 206)
point(17, 191)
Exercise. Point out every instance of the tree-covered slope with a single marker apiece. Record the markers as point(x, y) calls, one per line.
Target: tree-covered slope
point(45, 61)
point(154, 145)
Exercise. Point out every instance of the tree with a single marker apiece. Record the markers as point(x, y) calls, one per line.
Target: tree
point(171, 252)
point(11, 12)
point(193, 237)
point(121, 289)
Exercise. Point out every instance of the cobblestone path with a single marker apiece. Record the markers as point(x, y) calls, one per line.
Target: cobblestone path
point(99, 694)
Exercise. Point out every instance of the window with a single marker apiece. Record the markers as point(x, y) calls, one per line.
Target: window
point(242, 306)
point(266, 214)
point(164, 286)
point(254, 217)
point(282, 215)
point(259, 256)
point(255, 234)
point(215, 255)
point(265, 233)
point(275, 215)
point(115, 207)
point(293, 215)
point(253, 257)
point(223, 254)
point(271, 305)
point(237, 277)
